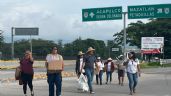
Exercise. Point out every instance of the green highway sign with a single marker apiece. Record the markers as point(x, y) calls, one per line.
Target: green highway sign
point(97, 14)
point(149, 11)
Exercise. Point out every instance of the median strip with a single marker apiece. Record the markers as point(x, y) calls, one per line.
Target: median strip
point(39, 77)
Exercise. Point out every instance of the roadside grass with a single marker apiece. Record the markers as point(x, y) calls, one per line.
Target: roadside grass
point(153, 65)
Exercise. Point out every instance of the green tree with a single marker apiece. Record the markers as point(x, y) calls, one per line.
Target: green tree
point(60, 46)
point(71, 49)
point(40, 47)
point(1, 40)
point(154, 28)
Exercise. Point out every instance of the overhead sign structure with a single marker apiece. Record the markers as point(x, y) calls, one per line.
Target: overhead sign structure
point(26, 31)
point(97, 14)
point(152, 42)
point(149, 11)
point(20, 32)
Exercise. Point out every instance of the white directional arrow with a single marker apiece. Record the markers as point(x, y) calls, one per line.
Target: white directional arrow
point(92, 14)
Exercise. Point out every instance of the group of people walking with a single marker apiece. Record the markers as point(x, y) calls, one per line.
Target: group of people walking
point(86, 63)
point(54, 65)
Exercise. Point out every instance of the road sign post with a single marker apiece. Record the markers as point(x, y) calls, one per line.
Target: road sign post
point(124, 23)
point(149, 11)
point(12, 42)
point(97, 14)
point(22, 32)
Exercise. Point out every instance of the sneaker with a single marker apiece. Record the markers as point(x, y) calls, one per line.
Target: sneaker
point(92, 92)
point(32, 93)
point(134, 91)
point(131, 93)
point(25, 94)
point(119, 83)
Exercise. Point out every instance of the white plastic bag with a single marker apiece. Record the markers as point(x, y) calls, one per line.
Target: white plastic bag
point(82, 83)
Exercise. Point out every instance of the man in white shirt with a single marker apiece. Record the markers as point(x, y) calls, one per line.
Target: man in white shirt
point(54, 75)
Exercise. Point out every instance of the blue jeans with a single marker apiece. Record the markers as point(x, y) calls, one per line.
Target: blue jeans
point(133, 80)
point(108, 74)
point(99, 76)
point(55, 79)
point(89, 73)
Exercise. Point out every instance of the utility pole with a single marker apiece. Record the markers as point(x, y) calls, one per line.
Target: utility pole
point(124, 23)
point(12, 42)
point(31, 49)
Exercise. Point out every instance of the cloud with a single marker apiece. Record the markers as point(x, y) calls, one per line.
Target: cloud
point(60, 19)
point(54, 24)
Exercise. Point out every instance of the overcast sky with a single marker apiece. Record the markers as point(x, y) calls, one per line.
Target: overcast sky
point(62, 19)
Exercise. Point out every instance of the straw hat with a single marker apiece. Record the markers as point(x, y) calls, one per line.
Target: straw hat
point(90, 49)
point(80, 53)
point(109, 59)
point(98, 58)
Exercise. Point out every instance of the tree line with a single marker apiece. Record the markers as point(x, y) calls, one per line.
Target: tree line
point(154, 28)
point(70, 50)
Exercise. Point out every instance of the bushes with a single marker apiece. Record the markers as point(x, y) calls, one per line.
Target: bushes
point(154, 64)
point(150, 65)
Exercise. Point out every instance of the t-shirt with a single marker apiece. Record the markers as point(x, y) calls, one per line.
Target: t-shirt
point(52, 57)
point(132, 66)
point(89, 61)
point(109, 66)
point(100, 65)
point(81, 63)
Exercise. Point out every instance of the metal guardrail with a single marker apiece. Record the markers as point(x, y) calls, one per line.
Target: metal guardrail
point(165, 61)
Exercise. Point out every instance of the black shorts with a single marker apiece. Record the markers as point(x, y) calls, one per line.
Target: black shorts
point(121, 73)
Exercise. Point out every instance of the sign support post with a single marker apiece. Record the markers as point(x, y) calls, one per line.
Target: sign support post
point(31, 48)
point(21, 32)
point(12, 43)
point(124, 23)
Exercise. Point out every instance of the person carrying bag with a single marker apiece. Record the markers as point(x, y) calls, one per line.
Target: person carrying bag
point(18, 75)
point(27, 72)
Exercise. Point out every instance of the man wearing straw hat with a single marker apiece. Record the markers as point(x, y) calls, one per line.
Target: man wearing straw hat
point(88, 65)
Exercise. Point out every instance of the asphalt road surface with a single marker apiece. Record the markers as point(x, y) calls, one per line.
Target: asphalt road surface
point(149, 85)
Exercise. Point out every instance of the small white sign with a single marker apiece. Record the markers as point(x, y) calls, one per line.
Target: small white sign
point(115, 49)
